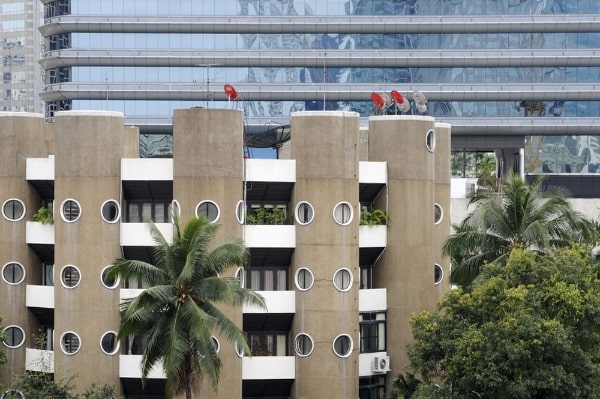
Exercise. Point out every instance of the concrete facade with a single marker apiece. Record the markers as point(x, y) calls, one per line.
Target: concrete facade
point(338, 293)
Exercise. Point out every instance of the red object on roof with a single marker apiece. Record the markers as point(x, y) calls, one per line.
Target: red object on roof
point(231, 92)
point(378, 100)
point(397, 97)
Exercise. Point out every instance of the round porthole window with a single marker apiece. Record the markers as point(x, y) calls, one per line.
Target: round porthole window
point(240, 275)
point(108, 282)
point(438, 274)
point(174, 210)
point(12, 394)
point(430, 140)
point(342, 279)
point(70, 210)
point(342, 213)
point(110, 211)
point(109, 343)
point(209, 210)
point(13, 210)
point(305, 213)
point(303, 344)
point(216, 344)
point(240, 212)
point(70, 276)
point(438, 213)
point(304, 279)
point(70, 343)
point(13, 273)
point(14, 337)
point(342, 345)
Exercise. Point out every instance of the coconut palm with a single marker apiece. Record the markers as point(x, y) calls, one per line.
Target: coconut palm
point(530, 216)
point(178, 312)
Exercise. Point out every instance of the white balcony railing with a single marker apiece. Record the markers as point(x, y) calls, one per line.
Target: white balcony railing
point(270, 236)
point(269, 368)
point(39, 233)
point(146, 169)
point(276, 302)
point(371, 300)
point(138, 234)
point(39, 296)
point(130, 366)
point(39, 168)
point(372, 236)
point(39, 360)
point(372, 172)
point(271, 170)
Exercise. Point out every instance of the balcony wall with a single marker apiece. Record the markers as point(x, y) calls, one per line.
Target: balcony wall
point(38, 233)
point(39, 168)
point(39, 360)
point(268, 368)
point(145, 169)
point(40, 296)
point(130, 366)
point(138, 234)
point(372, 236)
point(372, 300)
point(271, 170)
point(372, 172)
point(276, 301)
point(270, 236)
point(365, 363)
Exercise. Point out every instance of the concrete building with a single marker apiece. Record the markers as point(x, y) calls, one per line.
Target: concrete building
point(339, 293)
point(20, 49)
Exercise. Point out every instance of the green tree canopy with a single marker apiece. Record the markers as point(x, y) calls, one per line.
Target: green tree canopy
point(179, 312)
point(528, 329)
point(2, 353)
point(531, 216)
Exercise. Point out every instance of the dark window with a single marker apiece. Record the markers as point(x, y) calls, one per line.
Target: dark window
point(342, 345)
point(372, 332)
point(371, 387)
point(268, 343)
point(145, 211)
point(266, 278)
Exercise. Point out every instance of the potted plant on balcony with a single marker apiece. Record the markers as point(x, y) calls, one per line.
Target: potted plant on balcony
point(43, 216)
point(376, 217)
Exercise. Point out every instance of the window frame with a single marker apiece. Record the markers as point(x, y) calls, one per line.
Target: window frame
point(262, 277)
point(14, 200)
point(24, 273)
point(430, 140)
point(117, 344)
point(296, 344)
point(439, 220)
point(297, 209)
point(350, 348)
point(208, 203)
point(62, 343)
point(116, 282)
point(337, 272)
point(62, 280)
point(23, 338)
point(369, 330)
point(107, 202)
point(437, 266)
point(296, 281)
point(62, 210)
point(341, 205)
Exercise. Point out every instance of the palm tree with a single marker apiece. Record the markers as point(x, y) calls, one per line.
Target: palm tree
point(178, 311)
point(520, 214)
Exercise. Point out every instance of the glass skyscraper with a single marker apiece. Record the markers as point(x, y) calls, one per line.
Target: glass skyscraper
point(20, 49)
point(492, 68)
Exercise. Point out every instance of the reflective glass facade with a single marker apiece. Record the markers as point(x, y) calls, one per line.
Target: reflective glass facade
point(472, 59)
point(20, 49)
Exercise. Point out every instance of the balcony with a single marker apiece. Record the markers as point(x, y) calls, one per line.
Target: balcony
point(130, 366)
point(270, 236)
point(269, 368)
point(138, 234)
point(271, 170)
point(146, 169)
point(276, 302)
point(373, 363)
point(40, 169)
point(37, 233)
point(370, 300)
point(40, 296)
point(39, 360)
point(372, 236)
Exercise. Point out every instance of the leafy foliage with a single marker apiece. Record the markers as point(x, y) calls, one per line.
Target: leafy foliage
point(531, 216)
point(178, 311)
point(44, 216)
point(376, 217)
point(528, 329)
point(2, 353)
point(269, 216)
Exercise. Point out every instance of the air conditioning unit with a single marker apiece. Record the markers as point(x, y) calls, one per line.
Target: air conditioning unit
point(381, 364)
